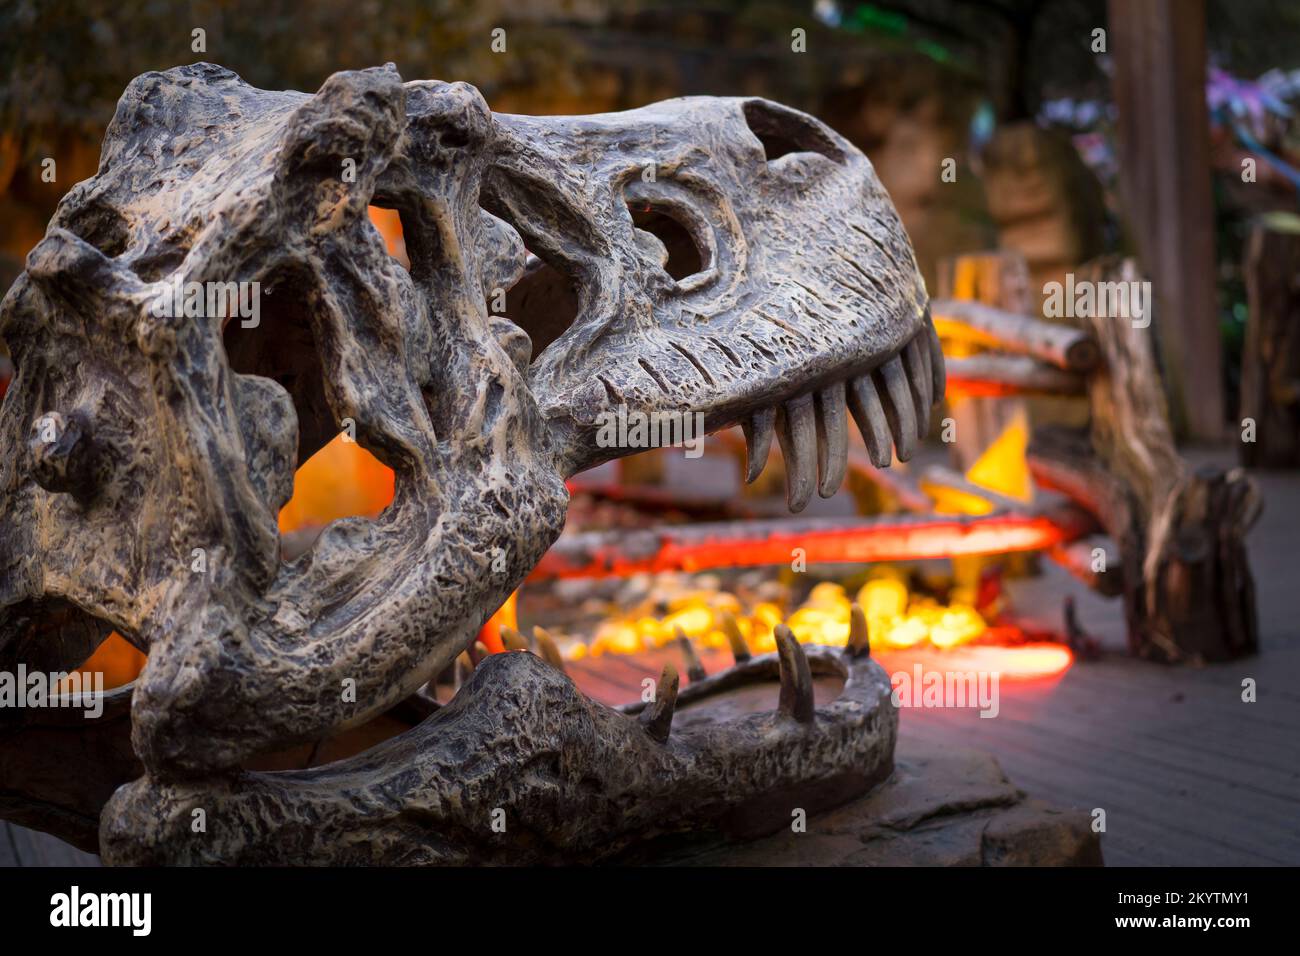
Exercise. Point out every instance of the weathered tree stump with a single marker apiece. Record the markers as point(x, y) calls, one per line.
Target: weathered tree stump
point(1187, 587)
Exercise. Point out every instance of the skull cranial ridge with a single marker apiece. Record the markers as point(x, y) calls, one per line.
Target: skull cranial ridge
point(154, 510)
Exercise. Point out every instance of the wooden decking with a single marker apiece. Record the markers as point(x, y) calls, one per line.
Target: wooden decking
point(1187, 773)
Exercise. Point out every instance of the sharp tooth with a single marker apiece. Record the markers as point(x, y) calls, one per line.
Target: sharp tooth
point(758, 440)
point(549, 651)
point(464, 670)
point(512, 640)
point(867, 411)
point(796, 698)
point(796, 430)
point(694, 669)
point(938, 374)
point(657, 718)
point(859, 638)
point(928, 380)
point(832, 439)
point(739, 649)
point(901, 414)
point(914, 356)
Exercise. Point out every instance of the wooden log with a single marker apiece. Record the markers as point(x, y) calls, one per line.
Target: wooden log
point(899, 486)
point(707, 507)
point(698, 547)
point(1061, 460)
point(983, 325)
point(645, 468)
point(1075, 557)
point(1270, 361)
point(990, 374)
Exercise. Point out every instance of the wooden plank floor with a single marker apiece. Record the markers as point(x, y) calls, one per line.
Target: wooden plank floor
point(1186, 772)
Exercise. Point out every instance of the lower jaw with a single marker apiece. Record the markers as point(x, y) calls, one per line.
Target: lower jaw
point(732, 753)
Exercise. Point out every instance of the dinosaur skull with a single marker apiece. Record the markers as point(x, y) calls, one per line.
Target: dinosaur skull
point(779, 275)
point(678, 263)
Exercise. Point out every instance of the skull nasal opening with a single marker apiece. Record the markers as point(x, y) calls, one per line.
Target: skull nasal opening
point(783, 131)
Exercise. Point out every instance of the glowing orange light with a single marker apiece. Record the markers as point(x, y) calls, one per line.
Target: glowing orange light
point(506, 616)
point(1019, 662)
point(339, 481)
point(116, 658)
point(896, 618)
point(1003, 466)
point(389, 224)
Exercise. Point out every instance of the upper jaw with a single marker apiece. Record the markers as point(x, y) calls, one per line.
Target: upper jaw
point(804, 301)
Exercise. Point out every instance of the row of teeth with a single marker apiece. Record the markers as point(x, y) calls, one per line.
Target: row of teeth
point(890, 403)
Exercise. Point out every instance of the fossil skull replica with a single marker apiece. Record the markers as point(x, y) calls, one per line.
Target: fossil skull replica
point(134, 443)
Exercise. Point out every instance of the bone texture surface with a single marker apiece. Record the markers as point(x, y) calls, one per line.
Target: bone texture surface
point(730, 258)
point(568, 779)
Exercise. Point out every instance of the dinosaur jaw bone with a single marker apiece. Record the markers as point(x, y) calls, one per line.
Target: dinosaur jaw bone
point(521, 767)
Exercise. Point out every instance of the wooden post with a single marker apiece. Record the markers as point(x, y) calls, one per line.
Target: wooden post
point(1158, 48)
point(1270, 362)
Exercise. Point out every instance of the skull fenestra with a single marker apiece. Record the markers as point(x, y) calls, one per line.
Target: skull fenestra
point(726, 257)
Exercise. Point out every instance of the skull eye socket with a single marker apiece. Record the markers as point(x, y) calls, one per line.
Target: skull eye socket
point(544, 303)
point(283, 348)
point(685, 257)
point(783, 131)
